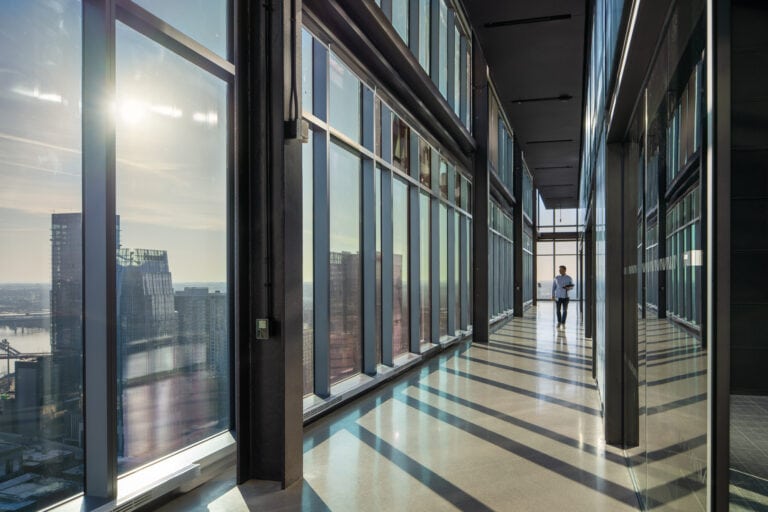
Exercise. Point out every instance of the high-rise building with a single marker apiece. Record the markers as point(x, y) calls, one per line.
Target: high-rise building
point(66, 283)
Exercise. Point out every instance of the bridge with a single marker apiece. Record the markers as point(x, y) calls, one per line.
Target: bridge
point(27, 321)
point(8, 352)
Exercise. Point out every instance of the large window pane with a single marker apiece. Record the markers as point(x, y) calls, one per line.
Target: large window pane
point(424, 33)
point(172, 313)
point(308, 289)
point(425, 210)
point(442, 77)
point(307, 86)
point(443, 270)
point(425, 163)
point(40, 235)
point(345, 291)
point(400, 338)
point(457, 285)
point(400, 16)
point(377, 195)
point(443, 179)
point(344, 99)
point(202, 20)
point(401, 145)
point(456, 70)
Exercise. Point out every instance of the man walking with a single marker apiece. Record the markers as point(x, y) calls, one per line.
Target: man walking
point(560, 287)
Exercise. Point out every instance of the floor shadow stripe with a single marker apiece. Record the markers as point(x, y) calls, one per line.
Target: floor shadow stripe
point(524, 392)
point(513, 420)
point(445, 489)
point(564, 469)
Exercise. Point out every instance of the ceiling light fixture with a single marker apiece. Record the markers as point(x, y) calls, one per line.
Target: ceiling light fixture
point(555, 141)
point(562, 97)
point(527, 21)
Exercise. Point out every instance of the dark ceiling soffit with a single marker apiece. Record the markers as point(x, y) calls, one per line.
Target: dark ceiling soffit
point(527, 21)
point(379, 48)
point(649, 23)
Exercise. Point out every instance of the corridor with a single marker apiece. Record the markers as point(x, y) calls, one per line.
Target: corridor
point(514, 425)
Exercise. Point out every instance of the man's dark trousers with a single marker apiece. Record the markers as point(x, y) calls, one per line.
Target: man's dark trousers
point(562, 303)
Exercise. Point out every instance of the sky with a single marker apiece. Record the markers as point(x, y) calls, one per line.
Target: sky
point(170, 120)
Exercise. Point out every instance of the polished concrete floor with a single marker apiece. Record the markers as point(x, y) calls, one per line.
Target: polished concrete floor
point(512, 425)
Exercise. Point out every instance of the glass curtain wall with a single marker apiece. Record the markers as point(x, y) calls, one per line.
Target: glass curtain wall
point(439, 25)
point(501, 151)
point(501, 276)
point(171, 255)
point(364, 135)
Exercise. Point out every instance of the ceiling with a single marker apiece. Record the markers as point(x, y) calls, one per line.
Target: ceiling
point(535, 51)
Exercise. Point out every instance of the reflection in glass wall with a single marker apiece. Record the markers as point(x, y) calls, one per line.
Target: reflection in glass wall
point(307, 267)
point(670, 461)
point(40, 235)
point(425, 214)
point(400, 318)
point(172, 307)
point(345, 289)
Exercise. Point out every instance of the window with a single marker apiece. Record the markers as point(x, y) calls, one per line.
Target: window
point(442, 77)
point(41, 219)
point(425, 220)
point(400, 16)
point(345, 109)
point(307, 242)
point(401, 143)
point(443, 270)
point(172, 307)
point(345, 288)
point(210, 30)
point(400, 308)
point(424, 33)
point(425, 164)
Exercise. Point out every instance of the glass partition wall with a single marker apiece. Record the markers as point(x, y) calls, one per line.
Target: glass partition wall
point(670, 462)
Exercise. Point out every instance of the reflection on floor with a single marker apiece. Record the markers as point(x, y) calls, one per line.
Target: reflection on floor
point(511, 425)
point(749, 453)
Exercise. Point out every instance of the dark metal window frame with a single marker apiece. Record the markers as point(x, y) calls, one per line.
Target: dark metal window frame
point(99, 210)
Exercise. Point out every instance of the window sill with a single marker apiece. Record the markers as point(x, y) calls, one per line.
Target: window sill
point(343, 392)
point(177, 473)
